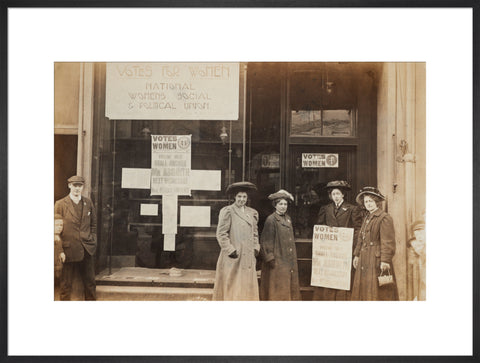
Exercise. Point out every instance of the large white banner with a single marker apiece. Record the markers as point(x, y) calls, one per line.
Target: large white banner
point(332, 257)
point(172, 91)
point(171, 164)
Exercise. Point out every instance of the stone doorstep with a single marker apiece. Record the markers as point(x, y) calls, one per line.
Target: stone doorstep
point(139, 276)
point(139, 293)
point(146, 284)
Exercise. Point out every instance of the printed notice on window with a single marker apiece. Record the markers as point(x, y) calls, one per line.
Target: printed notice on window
point(172, 91)
point(171, 164)
point(315, 160)
point(331, 257)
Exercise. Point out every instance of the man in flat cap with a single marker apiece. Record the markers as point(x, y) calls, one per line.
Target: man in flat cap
point(79, 238)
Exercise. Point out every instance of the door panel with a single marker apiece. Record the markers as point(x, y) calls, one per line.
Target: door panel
point(307, 183)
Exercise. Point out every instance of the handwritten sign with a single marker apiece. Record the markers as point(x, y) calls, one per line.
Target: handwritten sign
point(331, 257)
point(172, 91)
point(171, 164)
point(311, 160)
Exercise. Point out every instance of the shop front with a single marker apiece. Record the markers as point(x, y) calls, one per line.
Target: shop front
point(295, 126)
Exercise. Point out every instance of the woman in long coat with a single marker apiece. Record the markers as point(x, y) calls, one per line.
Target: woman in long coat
point(338, 213)
point(237, 235)
point(279, 266)
point(374, 250)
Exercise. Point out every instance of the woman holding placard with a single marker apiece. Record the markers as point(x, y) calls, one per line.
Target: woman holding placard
point(338, 213)
point(374, 278)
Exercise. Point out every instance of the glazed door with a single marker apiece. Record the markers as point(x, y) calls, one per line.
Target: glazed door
point(311, 167)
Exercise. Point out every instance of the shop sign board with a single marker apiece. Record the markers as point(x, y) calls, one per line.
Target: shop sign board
point(316, 160)
point(332, 257)
point(172, 91)
point(171, 164)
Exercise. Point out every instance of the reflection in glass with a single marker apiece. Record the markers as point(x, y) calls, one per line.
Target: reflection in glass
point(321, 123)
point(337, 123)
point(306, 123)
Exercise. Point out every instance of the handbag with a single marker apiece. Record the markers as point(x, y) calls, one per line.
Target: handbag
point(385, 279)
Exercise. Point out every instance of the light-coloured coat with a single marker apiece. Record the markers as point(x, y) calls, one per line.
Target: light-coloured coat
point(236, 278)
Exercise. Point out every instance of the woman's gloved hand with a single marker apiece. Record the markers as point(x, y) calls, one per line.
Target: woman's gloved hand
point(271, 263)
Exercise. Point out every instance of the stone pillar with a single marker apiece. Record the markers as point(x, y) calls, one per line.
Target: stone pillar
point(400, 137)
point(85, 125)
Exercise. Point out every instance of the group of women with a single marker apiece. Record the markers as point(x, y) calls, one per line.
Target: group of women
point(240, 244)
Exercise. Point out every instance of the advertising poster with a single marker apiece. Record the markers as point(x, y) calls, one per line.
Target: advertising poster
point(332, 257)
point(171, 164)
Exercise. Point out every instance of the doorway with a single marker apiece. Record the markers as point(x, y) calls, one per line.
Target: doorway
point(65, 163)
point(311, 167)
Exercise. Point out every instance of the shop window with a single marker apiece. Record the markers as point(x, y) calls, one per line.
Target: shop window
point(137, 237)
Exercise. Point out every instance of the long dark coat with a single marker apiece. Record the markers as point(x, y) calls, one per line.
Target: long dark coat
point(376, 243)
point(236, 278)
point(79, 233)
point(277, 242)
point(348, 216)
point(57, 250)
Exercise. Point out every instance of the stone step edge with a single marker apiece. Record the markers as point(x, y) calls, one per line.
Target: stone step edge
point(153, 283)
point(132, 293)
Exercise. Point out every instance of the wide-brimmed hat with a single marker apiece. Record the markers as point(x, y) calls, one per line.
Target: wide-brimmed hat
point(76, 179)
point(338, 184)
point(371, 191)
point(281, 194)
point(240, 187)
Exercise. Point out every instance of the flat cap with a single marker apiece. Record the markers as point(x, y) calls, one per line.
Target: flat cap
point(240, 186)
point(281, 194)
point(76, 179)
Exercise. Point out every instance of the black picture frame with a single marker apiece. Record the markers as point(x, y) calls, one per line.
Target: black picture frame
point(8, 199)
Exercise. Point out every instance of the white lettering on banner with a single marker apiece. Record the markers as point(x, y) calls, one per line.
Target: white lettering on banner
point(332, 257)
point(172, 91)
point(315, 160)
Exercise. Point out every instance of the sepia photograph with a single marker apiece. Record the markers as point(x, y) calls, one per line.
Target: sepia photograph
point(240, 181)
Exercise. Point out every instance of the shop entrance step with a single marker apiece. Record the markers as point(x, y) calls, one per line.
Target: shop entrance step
point(138, 283)
point(152, 293)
